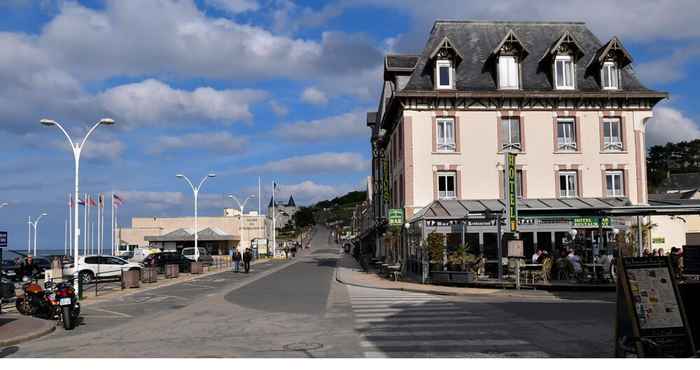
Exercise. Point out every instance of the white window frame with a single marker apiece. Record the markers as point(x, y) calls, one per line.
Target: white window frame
point(565, 60)
point(613, 83)
point(571, 188)
point(610, 142)
point(446, 142)
point(618, 178)
point(508, 73)
point(447, 194)
point(507, 134)
point(568, 142)
point(438, 65)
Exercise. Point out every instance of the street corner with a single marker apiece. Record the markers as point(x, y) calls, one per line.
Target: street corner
point(15, 329)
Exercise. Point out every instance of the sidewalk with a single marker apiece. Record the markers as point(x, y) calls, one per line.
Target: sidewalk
point(15, 328)
point(349, 272)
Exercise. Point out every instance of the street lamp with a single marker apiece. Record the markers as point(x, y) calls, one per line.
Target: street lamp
point(77, 149)
point(35, 224)
point(195, 190)
point(241, 206)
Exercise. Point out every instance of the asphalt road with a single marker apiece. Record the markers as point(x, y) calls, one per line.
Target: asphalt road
point(297, 309)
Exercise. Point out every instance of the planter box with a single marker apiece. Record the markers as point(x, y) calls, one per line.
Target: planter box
point(451, 277)
point(130, 279)
point(172, 271)
point(196, 268)
point(149, 275)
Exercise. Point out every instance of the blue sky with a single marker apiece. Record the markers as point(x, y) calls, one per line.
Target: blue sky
point(246, 88)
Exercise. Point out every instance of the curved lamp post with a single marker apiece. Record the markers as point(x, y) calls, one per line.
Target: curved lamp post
point(195, 190)
point(77, 149)
point(241, 205)
point(35, 224)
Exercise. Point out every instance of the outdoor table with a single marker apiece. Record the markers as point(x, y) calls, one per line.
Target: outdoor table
point(597, 268)
point(530, 267)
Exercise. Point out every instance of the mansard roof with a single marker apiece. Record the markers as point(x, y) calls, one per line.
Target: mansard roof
point(400, 62)
point(445, 43)
point(476, 41)
point(613, 49)
point(510, 41)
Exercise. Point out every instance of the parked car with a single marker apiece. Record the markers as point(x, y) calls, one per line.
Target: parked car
point(204, 256)
point(160, 260)
point(100, 267)
point(9, 270)
point(127, 255)
point(140, 254)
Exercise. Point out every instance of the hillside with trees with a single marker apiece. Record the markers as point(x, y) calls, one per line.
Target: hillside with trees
point(663, 160)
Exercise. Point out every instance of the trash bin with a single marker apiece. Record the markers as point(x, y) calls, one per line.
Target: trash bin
point(130, 279)
point(149, 275)
point(172, 271)
point(196, 268)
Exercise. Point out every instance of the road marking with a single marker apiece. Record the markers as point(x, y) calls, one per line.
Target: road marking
point(410, 333)
point(442, 342)
point(200, 285)
point(109, 311)
point(434, 318)
point(402, 315)
point(408, 354)
point(406, 309)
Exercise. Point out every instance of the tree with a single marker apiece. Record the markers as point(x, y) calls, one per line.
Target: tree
point(436, 246)
point(304, 217)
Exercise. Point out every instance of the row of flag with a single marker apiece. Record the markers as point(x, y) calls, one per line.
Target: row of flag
point(89, 201)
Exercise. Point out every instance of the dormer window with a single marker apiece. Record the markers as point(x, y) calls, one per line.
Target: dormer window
point(508, 73)
point(444, 74)
point(564, 72)
point(610, 76)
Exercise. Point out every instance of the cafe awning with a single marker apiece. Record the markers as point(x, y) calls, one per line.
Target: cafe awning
point(454, 209)
point(179, 235)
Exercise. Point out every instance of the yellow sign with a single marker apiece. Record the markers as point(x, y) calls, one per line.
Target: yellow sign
point(512, 193)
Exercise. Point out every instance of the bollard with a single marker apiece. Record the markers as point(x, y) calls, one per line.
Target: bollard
point(196, 268)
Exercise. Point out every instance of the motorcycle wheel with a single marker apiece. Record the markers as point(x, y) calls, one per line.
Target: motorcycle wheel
point(23, 306)
point(67, 318)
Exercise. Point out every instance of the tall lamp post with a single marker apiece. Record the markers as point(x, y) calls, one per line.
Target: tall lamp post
point(195, 190)
point(35, 224)
point(77, 149)
point(241, 205)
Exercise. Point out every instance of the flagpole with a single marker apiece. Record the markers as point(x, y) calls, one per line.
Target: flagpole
point(70, 222)
point(99, 223)
point(85, 217)
point(102, 222)
point(274, 228)
point(111, 223)
point(259, 198)
point(65, 238)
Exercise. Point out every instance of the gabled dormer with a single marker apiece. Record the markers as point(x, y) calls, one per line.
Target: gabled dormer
point(445, 57)
point(563, 56)
point(610, 60)
point(509, 54)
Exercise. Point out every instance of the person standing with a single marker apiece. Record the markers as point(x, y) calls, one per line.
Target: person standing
point(247, 256)
point(236, 261)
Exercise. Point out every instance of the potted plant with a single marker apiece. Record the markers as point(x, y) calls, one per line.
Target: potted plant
point(464, 262)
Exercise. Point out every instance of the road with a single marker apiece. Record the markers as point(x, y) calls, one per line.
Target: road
point(296, 308)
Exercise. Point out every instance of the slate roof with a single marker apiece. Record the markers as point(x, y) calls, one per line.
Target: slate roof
point(476, 41)
point(681, 181)
point(403, 62)
point(208, 234)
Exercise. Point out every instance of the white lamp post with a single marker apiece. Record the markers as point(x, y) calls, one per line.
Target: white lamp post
point(241, 205)
point(77, 149)
point(195, 190)
point(35, 224)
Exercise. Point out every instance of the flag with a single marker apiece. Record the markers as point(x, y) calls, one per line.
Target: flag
point(101, 200)
point(70, 202)
point(91, 202)
point(117, 200)
point(81, 202)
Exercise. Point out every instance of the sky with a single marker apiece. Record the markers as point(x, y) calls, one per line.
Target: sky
point(276, 89)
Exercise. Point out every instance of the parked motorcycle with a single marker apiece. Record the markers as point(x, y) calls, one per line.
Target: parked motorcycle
point(54, 301)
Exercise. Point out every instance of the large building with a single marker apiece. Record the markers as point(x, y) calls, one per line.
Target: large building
point(284, 212)
point(569, 105)
point(217, 234)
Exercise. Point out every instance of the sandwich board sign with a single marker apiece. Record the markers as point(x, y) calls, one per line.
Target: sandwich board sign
point(650, 310)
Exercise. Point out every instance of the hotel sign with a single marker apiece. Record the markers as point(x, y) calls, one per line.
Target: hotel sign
point(396, 217)
point(591, 221)
point(511, 192)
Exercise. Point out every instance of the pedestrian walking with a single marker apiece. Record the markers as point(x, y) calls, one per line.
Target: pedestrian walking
point(294, 251)
point(236, 260)
point(247, 256)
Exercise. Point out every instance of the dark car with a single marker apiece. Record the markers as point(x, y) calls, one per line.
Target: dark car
point(160, 260)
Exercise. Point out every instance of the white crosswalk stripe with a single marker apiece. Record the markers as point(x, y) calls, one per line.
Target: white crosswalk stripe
point(398, 324)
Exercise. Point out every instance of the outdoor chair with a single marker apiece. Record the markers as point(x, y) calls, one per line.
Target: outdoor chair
point(545, 274)
point(565, 270)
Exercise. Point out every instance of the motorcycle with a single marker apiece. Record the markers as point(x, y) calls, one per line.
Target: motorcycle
point(54, 301)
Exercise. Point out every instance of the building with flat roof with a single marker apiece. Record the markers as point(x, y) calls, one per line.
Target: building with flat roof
point(217, 234)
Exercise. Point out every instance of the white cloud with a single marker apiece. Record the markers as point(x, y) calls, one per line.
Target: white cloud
point(669, 69)
point(347, 126)
point(101, 149)
point(278, 109)
point(216, 142)
point(304, 193)
point(234, 6)
point(312, 95)
point(152, 101)
point(168, 200)
point(670, 125)
point(314, 163)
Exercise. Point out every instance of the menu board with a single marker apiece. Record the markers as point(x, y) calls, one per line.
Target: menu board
point(654, 298)
point(650, 308)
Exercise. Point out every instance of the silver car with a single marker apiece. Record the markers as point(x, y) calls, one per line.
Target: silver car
point(204, 256)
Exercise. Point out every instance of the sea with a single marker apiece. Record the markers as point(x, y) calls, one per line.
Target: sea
point(11, 254)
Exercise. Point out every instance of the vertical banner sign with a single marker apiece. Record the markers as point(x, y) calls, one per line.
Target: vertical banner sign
point(511, 192)
point(3, 239)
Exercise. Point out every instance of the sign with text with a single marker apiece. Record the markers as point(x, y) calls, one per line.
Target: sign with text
point(511, 192)
point(396, 217)
point(3, 239)
point(650, 308)
point(591, 221)
point(515, 248)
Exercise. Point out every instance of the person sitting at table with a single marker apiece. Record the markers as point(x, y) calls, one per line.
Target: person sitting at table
point(536, 255)
point(543, 256)
point(575, 261)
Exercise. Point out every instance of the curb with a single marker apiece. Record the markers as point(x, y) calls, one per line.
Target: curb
point(28, 337)
point(443, 293)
